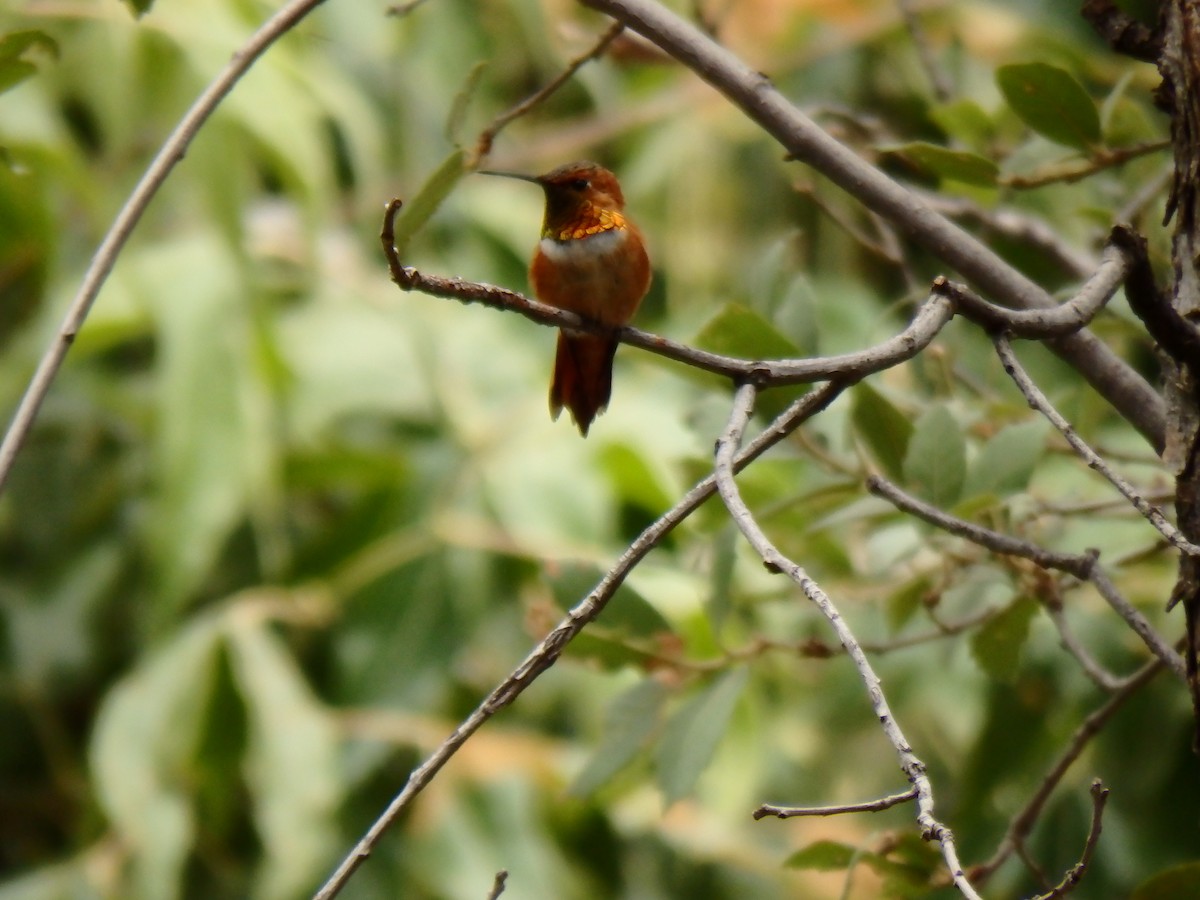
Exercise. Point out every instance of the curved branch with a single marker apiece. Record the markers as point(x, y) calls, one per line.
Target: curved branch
point(775, 561)
point(1037, 400)
point(754, 94)
point(172, 151)
point(1085, 566)
point(551, 647)
point(931, 317)
point(1076, 313)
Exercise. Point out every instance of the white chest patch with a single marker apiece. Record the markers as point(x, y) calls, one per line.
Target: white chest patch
point(583, 250)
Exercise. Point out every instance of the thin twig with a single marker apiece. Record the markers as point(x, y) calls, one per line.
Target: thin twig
point(498, 885)
point(1076, 872)
point(938, 79)
point(752, 92)
point(1097, 163)
point(1037, 400)
point(1017, 225)
point(1084, 566)
point(930, 318)
point(1100, 676)
point(171, 152)
point(483, 146)
point(544, 655)
point(788, 812)
point(1023, 822)
point(775, 561)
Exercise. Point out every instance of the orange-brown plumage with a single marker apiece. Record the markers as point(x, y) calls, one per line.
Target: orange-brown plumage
point(591, 260)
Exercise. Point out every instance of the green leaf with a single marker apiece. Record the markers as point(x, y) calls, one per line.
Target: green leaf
point(997, 645)
point(692, 735)
point(14, 44)
point(903, 603)
point(458, 108)
point(13, 68)
point(1051, 102)
point(954, 165)
point(885, 430)
point(144, 744)
point(416, 212)
point(936, 462)
point(965, 121)
point(737, 330)
point(628, 723)
point(823, 856)
point(724, 561)
point(1176, 883)
point(292, 761)
point(139, 7)
point(1007, 461)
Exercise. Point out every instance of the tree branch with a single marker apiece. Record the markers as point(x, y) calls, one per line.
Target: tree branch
point(1076, 872)
point(753, 93)
point(546, 653)
point(788, 812)
point(1083, 566)
point(171, 152)
point(931, 317)
point(1024, 821)
point(1037, 324)
point(1037, 400)
point(913, 768)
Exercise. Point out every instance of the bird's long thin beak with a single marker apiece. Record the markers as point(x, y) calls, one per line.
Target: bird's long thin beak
point(530, 178)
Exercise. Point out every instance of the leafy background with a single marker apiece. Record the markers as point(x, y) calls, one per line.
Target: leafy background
point(280, 526)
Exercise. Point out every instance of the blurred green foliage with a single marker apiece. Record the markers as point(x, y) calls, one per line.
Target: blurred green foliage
point(280, 526)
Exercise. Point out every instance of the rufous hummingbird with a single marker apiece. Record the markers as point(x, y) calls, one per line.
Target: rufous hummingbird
point(590, 260)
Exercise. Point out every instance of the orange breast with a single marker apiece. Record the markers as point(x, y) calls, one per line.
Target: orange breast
point(602, 276)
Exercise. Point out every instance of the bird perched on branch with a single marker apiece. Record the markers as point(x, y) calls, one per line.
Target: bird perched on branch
point(591, 260)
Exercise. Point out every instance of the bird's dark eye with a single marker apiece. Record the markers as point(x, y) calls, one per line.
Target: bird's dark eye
point(579, 184)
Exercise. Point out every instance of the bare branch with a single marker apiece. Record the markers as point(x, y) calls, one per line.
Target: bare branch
point(498, 885)
point(546, 653)
point(753, 93)
point(916, 31)
point(171, 152)
point(1076, 872)
point(1025, 820)
point(1083, 566)
point(1097, 162)
point(913, 768)
point(1100, 676)
point(1071, 316)
point(487, 137)
point(931, 317)
point(788, 812)
point(1037, 400)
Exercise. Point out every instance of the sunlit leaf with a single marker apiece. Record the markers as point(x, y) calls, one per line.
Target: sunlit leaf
point(1051, 102)
point(739, 331)
point(628, 723)
point(692, 735)
point(936, 461)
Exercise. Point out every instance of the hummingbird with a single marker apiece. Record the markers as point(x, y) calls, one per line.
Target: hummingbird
point(590, 260)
